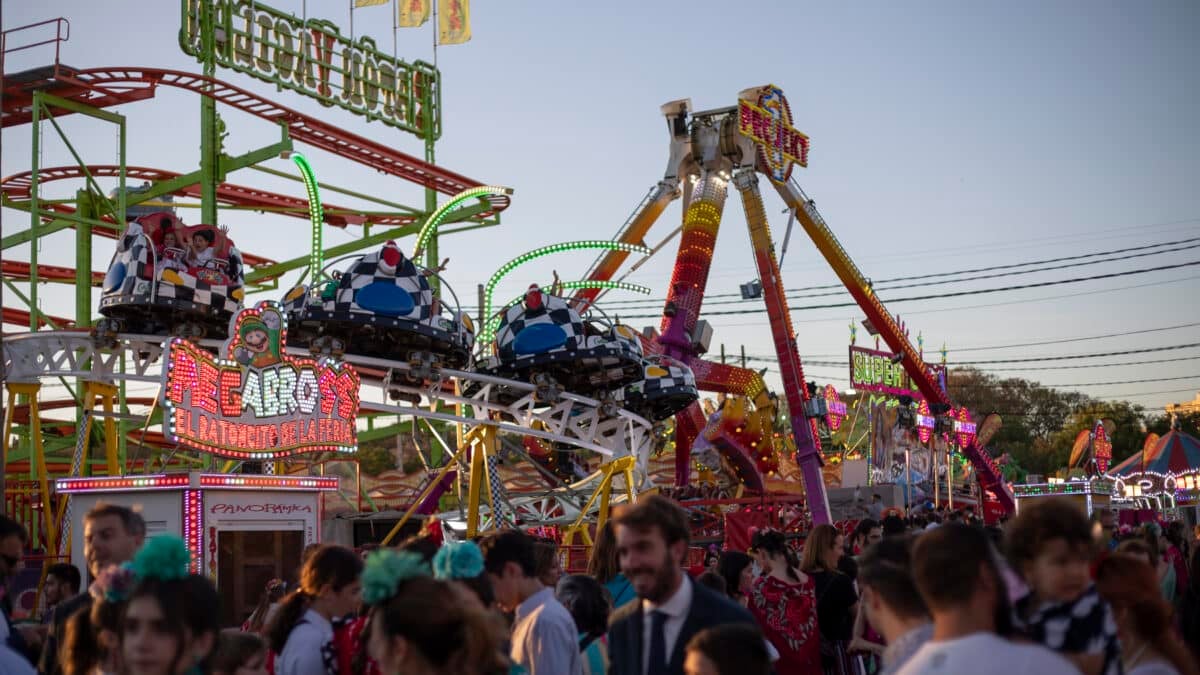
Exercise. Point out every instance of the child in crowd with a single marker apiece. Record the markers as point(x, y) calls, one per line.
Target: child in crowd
point(1050, 545)
point(239, 653)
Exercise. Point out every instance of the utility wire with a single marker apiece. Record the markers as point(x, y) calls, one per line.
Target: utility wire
point(952, 294)
point(1045, 342)
point(1069, 357)
point(1192, 242)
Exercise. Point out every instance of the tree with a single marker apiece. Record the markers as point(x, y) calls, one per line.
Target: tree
point(1128, 437)
point(1189, 423)
point(375, 458)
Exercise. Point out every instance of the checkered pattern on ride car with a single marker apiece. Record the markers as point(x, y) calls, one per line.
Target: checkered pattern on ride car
point(134, 252)
point(554, 311)
point(367, 271)
point(677, 377)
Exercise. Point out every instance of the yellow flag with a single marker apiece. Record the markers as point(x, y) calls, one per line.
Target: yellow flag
point(413, 13)
point(454, 21)
point(369, 3)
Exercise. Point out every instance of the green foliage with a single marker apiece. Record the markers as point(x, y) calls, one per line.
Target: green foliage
point(1189, 423)
point(375, 458)
point(1041, 423)
point(1127, 439)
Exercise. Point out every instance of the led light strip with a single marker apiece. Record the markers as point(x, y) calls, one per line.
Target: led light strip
point(256, 482)
point(435, 219)
point(595, 283)
point(121, 483)
point(491, 324)
point(193, 526)
point(316, 217)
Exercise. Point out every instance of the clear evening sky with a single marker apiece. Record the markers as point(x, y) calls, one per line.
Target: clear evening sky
point(945, 136)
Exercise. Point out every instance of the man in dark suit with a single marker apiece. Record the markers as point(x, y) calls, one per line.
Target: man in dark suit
point(111, 535)
point(648, 637)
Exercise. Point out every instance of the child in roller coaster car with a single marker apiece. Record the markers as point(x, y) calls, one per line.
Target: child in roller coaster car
point(199, 252)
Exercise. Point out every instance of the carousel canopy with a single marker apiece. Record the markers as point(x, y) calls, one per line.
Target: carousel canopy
point(1174, 453)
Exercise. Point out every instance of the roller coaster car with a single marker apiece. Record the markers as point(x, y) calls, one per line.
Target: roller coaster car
point(383, 307)
point(667, 386)
point(543, 339)
point(171, 278)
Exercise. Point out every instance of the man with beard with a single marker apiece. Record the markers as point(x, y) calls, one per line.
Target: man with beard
point(648, 637)
point(111, 535)
point(544, 637)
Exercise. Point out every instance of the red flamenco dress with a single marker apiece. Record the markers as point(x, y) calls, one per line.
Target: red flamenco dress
point(787, 614)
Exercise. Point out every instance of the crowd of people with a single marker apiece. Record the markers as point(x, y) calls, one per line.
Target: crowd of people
point(1047, 592)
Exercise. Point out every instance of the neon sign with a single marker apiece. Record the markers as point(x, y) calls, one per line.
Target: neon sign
point(836, 410)
point(258, 402)
point(768, 122)
point(1101, 447)
point(882, 373)
point(311, 57)
point(964, 427)
point(925, 422)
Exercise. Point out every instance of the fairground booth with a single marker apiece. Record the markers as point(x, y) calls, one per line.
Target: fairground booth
point(242, 530)
point(1164, 478)
point(252, 405)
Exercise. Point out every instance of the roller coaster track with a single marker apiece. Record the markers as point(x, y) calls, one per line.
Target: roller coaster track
point(105, 87)
point(17, 186)
point(574, 420)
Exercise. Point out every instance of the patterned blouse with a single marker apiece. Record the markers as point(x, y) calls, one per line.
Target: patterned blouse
point(787, 614)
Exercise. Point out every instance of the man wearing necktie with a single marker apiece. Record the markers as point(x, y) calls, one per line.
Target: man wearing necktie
point(648, 637)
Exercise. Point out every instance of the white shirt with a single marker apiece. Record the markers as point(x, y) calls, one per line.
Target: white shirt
point(12, 663)
point(985, 654)
point(545, 640)
point(676, 608)
point(301, 654)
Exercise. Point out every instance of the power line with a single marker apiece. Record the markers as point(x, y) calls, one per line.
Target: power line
point(635, 303)
point(1191, 241)
point(814, 357)
point(1094, 365)
point(985, 305)
point(952, 294)
point(1078, 339)
point(993, 385)
point(1081, 356)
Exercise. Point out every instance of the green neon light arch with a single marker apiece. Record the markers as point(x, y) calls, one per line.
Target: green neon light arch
point(316, 217)
point(596, 283)
point(435, 219)
point(491, 324)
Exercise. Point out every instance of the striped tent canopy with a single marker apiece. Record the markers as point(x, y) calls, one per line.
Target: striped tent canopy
point(1174, 453)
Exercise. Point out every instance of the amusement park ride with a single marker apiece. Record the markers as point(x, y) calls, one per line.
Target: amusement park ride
point(545, 375)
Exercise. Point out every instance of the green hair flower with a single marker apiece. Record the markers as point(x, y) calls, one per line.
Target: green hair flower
point(386, 569)
point(164, 557)
point(458, 560)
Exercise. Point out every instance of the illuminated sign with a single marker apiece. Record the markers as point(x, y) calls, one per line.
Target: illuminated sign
point(768, 122)
point(882, 373)
point(1101, 448)
point(258, 402)
point(311, 57)
point(836, 410)
point(964, 427)
point(925, 422)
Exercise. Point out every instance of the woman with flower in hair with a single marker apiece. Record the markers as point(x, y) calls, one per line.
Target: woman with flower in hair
point(169, 625)
point(91, 645)
point(461, 564)
point(417, 626)
point(302, 632)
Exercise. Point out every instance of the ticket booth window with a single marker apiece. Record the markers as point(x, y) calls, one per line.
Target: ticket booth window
point(247, 560)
